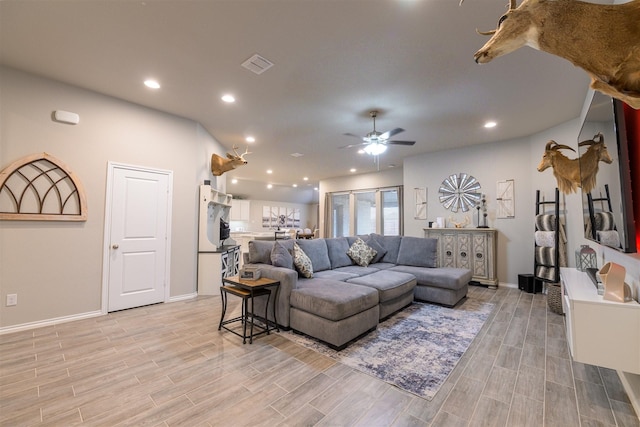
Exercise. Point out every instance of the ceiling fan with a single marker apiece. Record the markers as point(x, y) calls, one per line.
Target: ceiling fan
point(375, 143)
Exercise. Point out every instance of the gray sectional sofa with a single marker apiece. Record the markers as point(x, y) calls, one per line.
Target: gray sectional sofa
point(343, 300)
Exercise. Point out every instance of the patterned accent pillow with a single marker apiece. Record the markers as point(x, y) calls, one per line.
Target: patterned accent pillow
point(361, 253)
point(302, 262)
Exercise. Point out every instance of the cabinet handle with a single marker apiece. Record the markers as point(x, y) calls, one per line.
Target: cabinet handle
point(463, 254)
point(479, 255)
point(448, 253)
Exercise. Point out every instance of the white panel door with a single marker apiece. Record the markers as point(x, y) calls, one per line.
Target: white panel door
point(138, 238)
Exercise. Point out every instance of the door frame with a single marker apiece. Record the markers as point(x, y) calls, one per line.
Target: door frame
point(106, 239)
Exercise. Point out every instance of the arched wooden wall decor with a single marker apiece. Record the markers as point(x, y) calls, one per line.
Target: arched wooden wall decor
point(40, 187)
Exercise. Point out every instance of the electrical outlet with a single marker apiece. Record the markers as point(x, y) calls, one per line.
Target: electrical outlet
point(12, 299)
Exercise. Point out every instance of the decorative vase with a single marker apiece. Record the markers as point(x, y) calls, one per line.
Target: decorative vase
point(612, 276)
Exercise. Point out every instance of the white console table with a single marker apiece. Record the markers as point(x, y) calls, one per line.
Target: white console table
point(599, 332)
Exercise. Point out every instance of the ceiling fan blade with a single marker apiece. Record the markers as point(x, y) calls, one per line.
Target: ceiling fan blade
point(354, 145)
point(388, 134)
point(356, 136)
point(401, 142)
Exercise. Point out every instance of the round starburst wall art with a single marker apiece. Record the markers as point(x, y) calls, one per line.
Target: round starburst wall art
point(460, 192)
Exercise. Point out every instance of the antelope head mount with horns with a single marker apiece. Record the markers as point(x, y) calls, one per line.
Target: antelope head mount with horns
point(460, 224)
point(603, 40)
point(220, 165)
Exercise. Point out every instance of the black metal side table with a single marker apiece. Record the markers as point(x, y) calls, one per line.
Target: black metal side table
point(247, 290)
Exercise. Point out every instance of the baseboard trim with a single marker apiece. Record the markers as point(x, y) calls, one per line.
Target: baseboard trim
point(631, 384)
point(49, 322)
point(508, 285)
point(73, 317)
point(183, 297)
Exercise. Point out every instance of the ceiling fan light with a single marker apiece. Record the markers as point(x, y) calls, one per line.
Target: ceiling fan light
point(375, 148)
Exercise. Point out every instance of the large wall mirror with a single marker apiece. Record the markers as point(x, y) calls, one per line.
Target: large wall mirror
point(608, 206)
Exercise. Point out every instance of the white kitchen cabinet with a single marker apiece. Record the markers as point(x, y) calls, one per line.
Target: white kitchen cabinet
point(240, 210)
point(472, 248)
point(599, 332)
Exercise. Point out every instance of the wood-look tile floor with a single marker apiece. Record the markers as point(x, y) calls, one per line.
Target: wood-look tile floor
point(168, 365)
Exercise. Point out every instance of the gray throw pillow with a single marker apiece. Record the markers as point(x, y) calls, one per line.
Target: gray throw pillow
point(392, 246)
point(260, 251)
point(316, 250)
point(337, 248)
point(377, 246)
point(280, 256)
point(418, 252)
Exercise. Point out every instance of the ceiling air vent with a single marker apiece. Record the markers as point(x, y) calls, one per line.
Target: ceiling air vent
point(257, 64)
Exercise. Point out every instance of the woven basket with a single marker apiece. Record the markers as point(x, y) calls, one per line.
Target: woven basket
point(554, 298)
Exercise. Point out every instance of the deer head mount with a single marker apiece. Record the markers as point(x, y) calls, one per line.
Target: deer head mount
point(220, 165)
point(603, 40)
point(573, 173)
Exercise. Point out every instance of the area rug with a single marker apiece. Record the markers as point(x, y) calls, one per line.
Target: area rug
point(416, 349)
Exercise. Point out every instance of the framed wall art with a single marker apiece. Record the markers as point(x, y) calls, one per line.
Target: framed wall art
point(505, 199)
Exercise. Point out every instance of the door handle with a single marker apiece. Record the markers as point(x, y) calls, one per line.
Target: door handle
point(115, 246)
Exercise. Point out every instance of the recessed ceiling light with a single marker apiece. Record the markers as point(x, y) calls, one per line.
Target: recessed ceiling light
point(306, 178)
point(269, 186)
point(352, 170)
point(315, 188)
point(489, 125)
point(234, 181)
point(295, 185)
point(228, 98)
point(361, 151)
point(250, 139)
point(269, 171)
point(153, 84)
point(297, 154)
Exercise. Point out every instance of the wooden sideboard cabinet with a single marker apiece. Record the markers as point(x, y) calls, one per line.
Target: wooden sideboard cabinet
point(599, 332)
point(472, 248)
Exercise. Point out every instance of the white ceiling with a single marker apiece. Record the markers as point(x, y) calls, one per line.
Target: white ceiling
point(335, 60)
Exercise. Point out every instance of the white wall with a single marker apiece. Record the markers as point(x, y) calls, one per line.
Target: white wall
point(254, 190)
point(56, 267)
